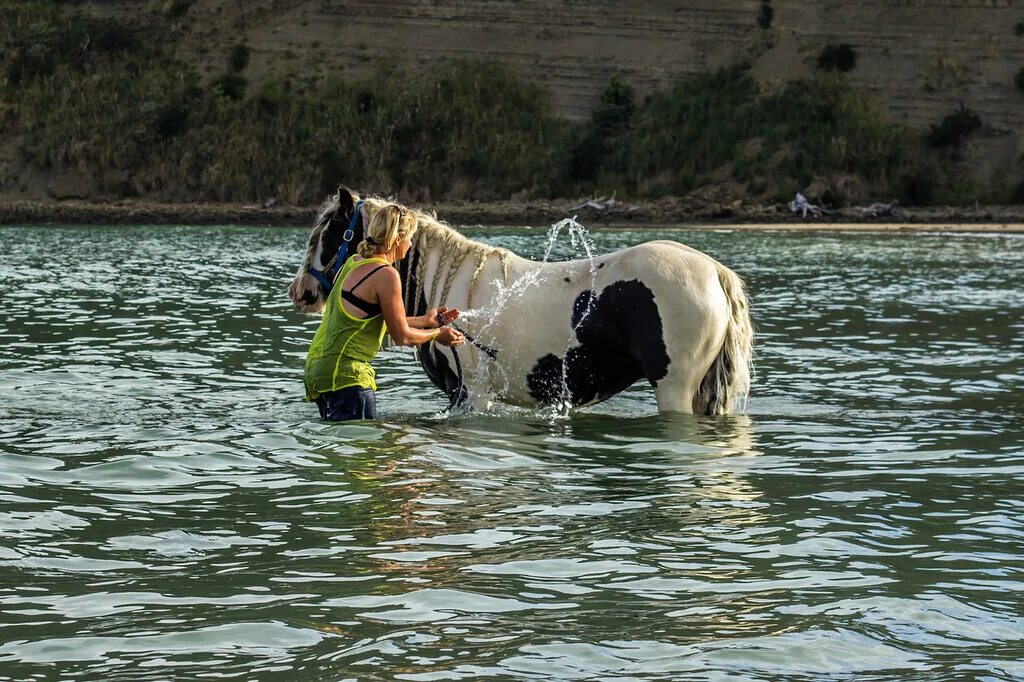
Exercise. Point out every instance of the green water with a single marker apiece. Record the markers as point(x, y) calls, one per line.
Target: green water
point(169, 508)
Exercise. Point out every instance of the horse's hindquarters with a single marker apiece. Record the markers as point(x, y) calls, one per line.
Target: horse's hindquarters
point(692, 311)
point(708, 331)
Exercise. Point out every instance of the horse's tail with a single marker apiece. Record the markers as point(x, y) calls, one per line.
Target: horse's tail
point(727, 381)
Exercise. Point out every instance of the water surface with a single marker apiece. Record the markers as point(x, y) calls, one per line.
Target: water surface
point(169, 508)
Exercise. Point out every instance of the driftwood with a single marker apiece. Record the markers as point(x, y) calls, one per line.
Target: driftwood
point(602, 204)
point(878, 209)
point(801, 205)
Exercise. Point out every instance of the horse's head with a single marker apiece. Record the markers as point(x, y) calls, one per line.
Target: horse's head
point(307, 291)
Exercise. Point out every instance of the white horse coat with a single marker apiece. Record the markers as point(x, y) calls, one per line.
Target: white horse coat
point(570, 333)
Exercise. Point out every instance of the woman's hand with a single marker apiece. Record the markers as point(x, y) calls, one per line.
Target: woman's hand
point(447, 316)
point(449, 336)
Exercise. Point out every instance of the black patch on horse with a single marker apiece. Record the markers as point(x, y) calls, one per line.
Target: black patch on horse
point(620, 336)
point(442, 374)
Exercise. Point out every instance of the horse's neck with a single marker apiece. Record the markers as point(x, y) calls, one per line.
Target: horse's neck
point(442, 257)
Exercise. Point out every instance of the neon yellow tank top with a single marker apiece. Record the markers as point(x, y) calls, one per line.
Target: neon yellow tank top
point(343, 345)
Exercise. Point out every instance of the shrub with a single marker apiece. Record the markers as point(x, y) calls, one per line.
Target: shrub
point(238, 57)
point(272, 97)
point(1018, 30)
point(765, 14)
point(175, 9)
point(364, 102)
point(172, 118)
point(35, 56)
point(618, 94)
point(1019, 80)
point(954, 128)
point(104, 36)
point(841, 58)
point(918, 187)
point(230, 85)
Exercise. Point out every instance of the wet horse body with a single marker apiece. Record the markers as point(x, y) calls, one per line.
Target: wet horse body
point(574, 332)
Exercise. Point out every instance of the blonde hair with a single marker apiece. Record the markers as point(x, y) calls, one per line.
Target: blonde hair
point(431, 235)
point(388, 225)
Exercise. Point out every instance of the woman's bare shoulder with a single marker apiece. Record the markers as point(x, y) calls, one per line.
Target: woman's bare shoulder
point(382, 275)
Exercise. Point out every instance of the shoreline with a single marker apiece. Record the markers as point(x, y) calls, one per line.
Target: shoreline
point(665, 213)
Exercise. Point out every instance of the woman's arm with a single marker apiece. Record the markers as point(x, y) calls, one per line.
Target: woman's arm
point(389, 291)
point(428, 320)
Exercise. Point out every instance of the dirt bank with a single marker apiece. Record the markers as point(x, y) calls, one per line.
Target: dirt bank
point(534, 213)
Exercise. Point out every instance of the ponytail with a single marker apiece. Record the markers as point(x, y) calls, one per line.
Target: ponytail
point(386, 227)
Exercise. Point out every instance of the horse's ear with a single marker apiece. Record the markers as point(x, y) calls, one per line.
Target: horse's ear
point(346, 202)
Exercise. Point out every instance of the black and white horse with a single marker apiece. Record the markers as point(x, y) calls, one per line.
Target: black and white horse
point(569, 333)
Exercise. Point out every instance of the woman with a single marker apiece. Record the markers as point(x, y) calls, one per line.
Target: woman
point(365, 302)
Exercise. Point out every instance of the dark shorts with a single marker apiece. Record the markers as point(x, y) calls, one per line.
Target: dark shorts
point(349, 403)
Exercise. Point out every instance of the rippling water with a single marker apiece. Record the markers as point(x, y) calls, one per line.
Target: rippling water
point(169, 508)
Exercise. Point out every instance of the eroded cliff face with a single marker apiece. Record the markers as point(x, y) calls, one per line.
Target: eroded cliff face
point(923, 58)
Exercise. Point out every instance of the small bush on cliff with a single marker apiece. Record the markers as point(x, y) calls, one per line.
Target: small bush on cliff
point(918, 187)
point(1018, 30)
point(954, 128)
point(841, 58)
point(1019, 80)
point(238, 57)
point(175, 9)
point(230, 85)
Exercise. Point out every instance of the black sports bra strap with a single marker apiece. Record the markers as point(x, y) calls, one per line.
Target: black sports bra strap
point(371, 309)
point(368, 276)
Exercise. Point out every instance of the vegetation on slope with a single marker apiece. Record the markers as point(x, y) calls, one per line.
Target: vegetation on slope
point(124, 111)
point(719, 126)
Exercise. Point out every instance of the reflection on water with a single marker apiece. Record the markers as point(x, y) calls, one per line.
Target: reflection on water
point(170, 508)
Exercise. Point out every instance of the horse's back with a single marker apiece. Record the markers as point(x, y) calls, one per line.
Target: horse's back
point(681, 277)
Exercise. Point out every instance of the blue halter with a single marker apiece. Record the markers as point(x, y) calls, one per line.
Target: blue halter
point(334, 267)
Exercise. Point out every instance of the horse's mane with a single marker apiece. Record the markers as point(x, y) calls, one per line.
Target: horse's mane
point(433, 233)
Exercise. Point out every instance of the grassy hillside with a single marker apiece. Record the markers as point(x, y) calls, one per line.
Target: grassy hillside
point(113, 104)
